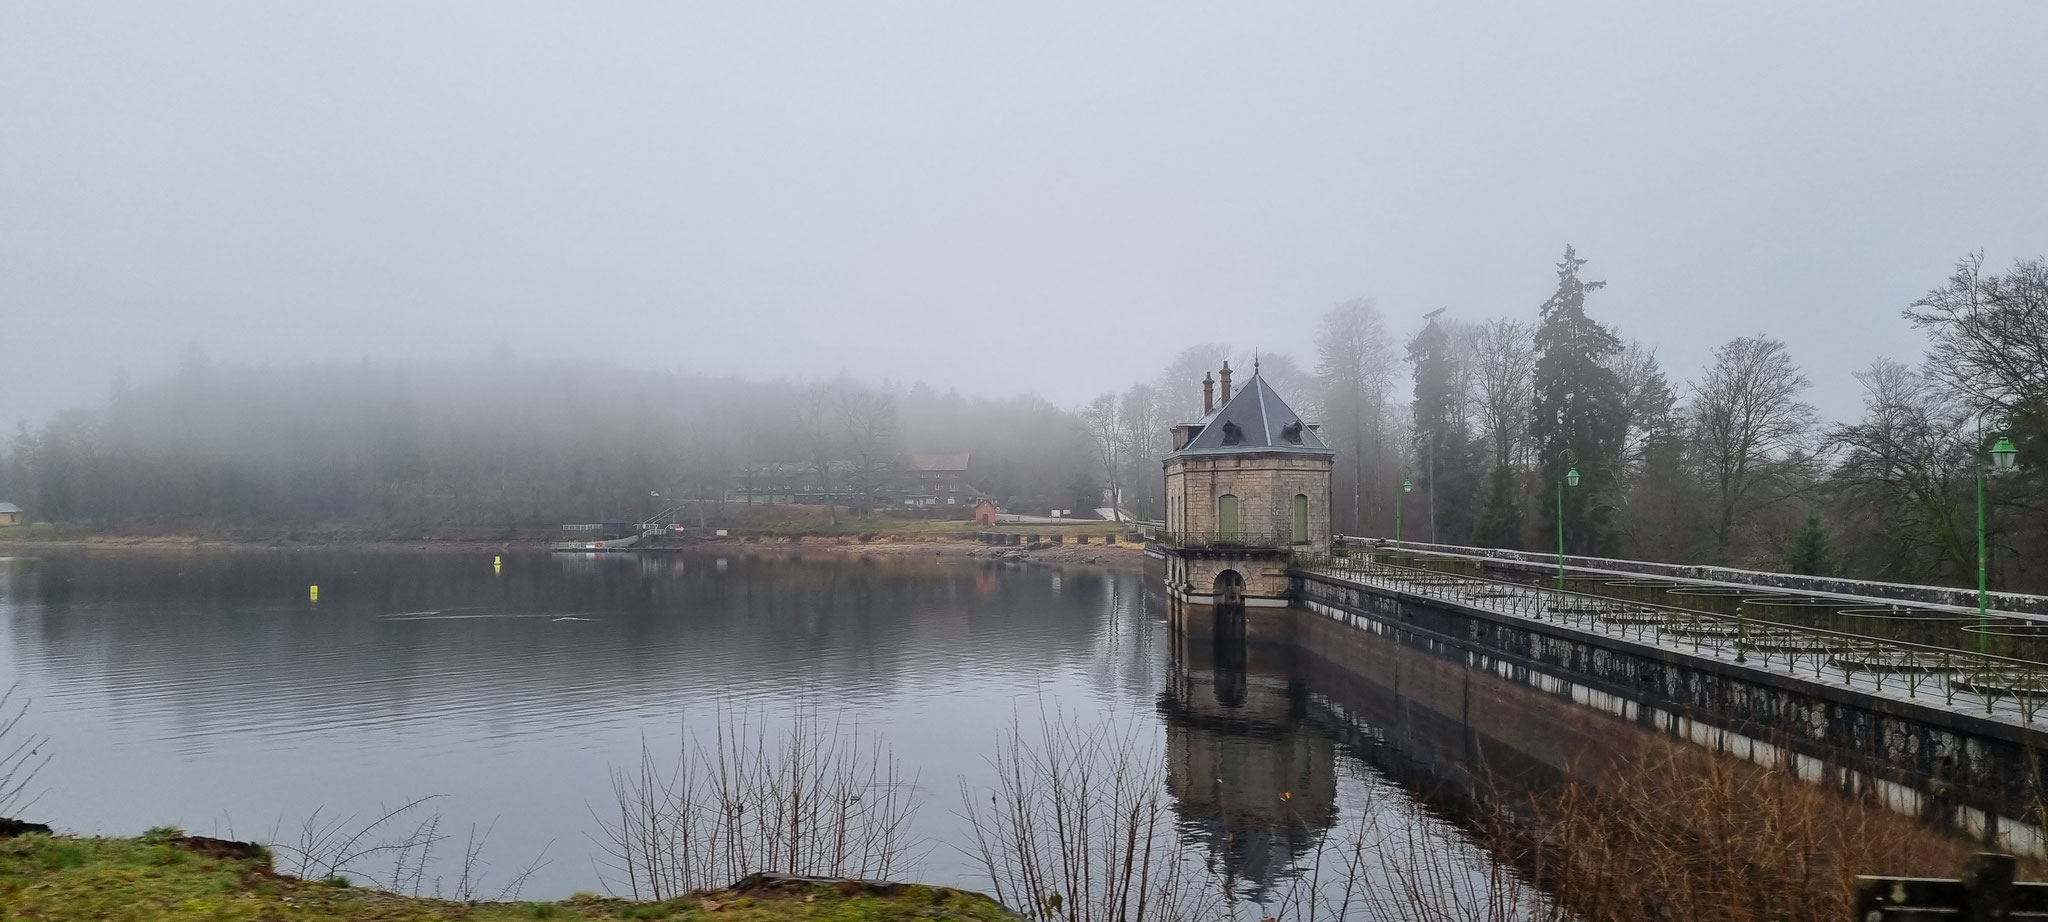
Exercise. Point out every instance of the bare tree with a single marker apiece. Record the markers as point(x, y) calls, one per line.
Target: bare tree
point(1746, 417)
point(1647, 403)
point(1143, 436)
point(1179, 384)
point(868, 419)
point(821, 440)
point(1990, 334)
point(1106, 429)
point(1356, 363)
point(1504, 358)
point(1906, 466)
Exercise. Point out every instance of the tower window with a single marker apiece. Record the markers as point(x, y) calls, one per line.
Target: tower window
point(1301, 518)
point(1226, 514)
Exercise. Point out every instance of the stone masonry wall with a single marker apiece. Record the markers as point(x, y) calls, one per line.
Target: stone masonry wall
point(1954, 769)
point(1265, 486)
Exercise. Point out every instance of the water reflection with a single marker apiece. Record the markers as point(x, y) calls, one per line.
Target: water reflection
point(550, 643)
point(1255, 783)
point(209, 690)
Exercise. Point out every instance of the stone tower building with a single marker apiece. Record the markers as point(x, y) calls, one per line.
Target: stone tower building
point(1247, 487)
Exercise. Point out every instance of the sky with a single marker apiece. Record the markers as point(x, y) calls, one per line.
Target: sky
point(1047, 197)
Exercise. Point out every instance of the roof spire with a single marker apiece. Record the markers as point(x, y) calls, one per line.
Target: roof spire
point(1255, 363)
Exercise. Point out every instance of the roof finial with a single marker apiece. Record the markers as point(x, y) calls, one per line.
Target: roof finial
point(1255, 362)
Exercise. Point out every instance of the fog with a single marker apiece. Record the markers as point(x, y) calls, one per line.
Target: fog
point(1052, 198)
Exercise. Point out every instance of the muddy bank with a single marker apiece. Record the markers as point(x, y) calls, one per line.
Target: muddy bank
point(1130, 557)
point(190, 543)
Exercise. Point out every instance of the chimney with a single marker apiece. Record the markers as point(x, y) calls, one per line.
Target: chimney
point(1225, 375)
point(1208, 393)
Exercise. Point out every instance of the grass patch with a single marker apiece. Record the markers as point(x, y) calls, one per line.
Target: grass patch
point(67, 879)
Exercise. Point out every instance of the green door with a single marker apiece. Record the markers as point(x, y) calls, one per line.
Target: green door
point(1226, 514)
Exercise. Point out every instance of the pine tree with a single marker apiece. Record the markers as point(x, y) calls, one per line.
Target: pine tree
point(1579, 412)
point(1811, 553)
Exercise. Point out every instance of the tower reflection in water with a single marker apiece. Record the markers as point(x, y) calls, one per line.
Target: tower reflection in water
point(1254, 783)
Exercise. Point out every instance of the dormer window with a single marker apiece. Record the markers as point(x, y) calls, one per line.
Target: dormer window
point(1232, 435)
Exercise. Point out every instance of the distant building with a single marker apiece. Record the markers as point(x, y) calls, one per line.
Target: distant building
point(775, 483)
point(938, 480)
point(929, 485)
point(985, 512)
point(11, 514)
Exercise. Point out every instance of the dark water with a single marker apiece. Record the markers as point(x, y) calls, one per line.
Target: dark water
point(207, 691)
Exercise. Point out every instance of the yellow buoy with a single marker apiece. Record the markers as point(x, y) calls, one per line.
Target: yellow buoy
point(313, 593)
point(497, 565)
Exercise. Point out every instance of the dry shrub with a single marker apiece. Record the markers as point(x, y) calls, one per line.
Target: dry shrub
point(21, 754)
point(1679, 833)
point(1399, 865)
point(814, 797)
point(1080, 827)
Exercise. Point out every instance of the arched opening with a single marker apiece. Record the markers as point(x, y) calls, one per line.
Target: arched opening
point(1230, 589)
point(1227, 636)
point(1301, 518)
point(1226, 516)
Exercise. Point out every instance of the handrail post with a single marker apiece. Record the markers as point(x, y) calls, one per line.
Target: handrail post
point(1987, 885)
point(1983, 590)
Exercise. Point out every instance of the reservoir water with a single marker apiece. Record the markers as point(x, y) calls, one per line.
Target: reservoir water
point(207, 690)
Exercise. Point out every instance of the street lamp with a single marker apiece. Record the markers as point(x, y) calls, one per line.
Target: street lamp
point(1571, 479)
point(1407, 486)
point(2003, 456)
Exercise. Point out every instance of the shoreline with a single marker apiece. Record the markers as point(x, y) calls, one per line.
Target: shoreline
point(1122, 557)
point(1129, 558)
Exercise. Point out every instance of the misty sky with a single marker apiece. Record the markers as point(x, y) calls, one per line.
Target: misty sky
point(1044, 197)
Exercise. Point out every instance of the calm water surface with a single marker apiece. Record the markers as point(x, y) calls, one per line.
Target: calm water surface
point(206, 691)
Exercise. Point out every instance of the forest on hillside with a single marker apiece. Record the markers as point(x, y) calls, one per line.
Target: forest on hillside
point(1482, 416)
point(414, 447)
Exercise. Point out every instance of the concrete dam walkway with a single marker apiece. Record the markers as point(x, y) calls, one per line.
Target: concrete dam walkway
point(1927, 708)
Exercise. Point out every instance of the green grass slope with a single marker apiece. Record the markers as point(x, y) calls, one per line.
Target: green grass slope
point(161, 877)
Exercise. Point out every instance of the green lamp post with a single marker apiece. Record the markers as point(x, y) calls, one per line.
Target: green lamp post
point(1571, 478)
point(2003, 456)
point(1406, 486)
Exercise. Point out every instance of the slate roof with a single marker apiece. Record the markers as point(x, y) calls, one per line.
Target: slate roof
point(9, 507)
point(1262, 421)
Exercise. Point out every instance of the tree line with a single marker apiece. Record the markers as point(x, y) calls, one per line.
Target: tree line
point(1484, 417)
point(1487, 418)
point(410, 448)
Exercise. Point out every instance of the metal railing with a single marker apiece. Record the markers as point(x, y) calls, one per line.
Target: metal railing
point(1850, 659)
point(1986, 890)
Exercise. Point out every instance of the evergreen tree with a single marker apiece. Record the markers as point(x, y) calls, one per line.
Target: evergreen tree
point(1811, 553)
point(1498, 522)
point(1445, 463)
point(1579, 411)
